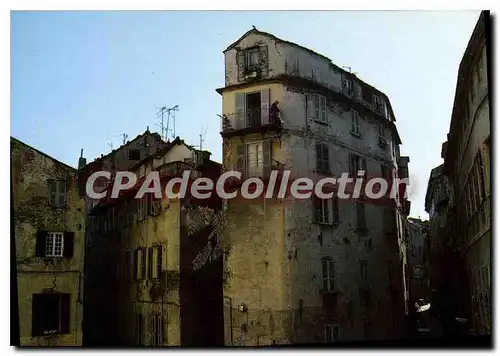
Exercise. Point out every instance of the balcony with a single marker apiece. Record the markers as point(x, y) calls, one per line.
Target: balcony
point(248, 121)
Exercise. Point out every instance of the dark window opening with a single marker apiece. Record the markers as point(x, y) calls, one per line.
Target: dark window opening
point(253, 105)
point(50, 314)
point(134, 155)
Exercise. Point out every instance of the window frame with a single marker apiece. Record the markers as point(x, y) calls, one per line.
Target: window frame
point(54, 235)
point(328, 274)
point(58, 188)
point(331, 330)
point(355, 124)
point(63, 314)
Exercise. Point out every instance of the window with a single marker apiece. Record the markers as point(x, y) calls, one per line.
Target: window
point(155, 206)
point(251, 58)
point(320, 108)
point(54, 244)
point(377, 101)
point(155, 262)
point(134, 155)
point(58, 193)
point(360, 214)
point(381, 130)
point(328, 274)
point(254, 159)
point(322, 158)
point(139, 263)
point(141, 213)
point(158, 322)
point(347, 86)
point(355, 123)
point(331, 333)
point(139, 326)
point(326, 211)
point(356, 163)
point(50, 314)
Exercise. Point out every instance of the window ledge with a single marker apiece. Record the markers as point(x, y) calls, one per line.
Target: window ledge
point(357, 135)
point(324, 123)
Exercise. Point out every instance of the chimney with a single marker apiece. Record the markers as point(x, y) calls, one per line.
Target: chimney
point(82, 161)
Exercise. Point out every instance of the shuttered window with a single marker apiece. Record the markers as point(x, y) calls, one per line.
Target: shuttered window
point(58, 193)
point(322, 158)
point(54, 244)
point(328, 274)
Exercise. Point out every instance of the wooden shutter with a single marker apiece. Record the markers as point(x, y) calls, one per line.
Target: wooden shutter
point(310, 106)
point(265, 98)
point(52, 192)
point(65, 313)
point(150, 263)
point(240, 62)
point(316, 202)
point(241, 162)
point(331, 276)
point(323, 109)
point(325, 274)
point(69, 238)
point(319, 160)
point(240, 113)
point(61, 193)
point(326, 158)
point(364, 166)
point(263, 62)
point(143, 262)
point(352, 164)
point(335, 208)
point(357, 89)
point(136, 264)
point(267, 157)
point(41, 239)
point(159, 261)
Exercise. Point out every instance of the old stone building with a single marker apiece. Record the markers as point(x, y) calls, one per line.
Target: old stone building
point(49, 225)
point(418, 260)
point(122, 158)
point(467, 166)
point(309, 270)
point(153, 273)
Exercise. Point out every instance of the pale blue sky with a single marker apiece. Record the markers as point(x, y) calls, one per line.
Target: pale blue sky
point(81, 79)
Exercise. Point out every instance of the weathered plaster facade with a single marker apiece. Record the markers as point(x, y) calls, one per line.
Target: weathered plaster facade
point(38, 274)
point(274, 290)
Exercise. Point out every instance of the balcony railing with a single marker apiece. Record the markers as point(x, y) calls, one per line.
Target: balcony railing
point(247, 120)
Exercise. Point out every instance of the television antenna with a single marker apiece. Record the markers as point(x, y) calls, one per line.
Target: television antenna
point(202, 139)
point(165, 126)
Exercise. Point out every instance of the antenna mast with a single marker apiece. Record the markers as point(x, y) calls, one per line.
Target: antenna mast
point(172, 110)
point(160, 114)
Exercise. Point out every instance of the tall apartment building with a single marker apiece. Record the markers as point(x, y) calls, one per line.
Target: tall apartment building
point(309, 270)
point(49, 225)
point(467, 166)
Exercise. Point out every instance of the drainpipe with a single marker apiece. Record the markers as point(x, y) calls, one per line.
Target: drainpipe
point(230, 317)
